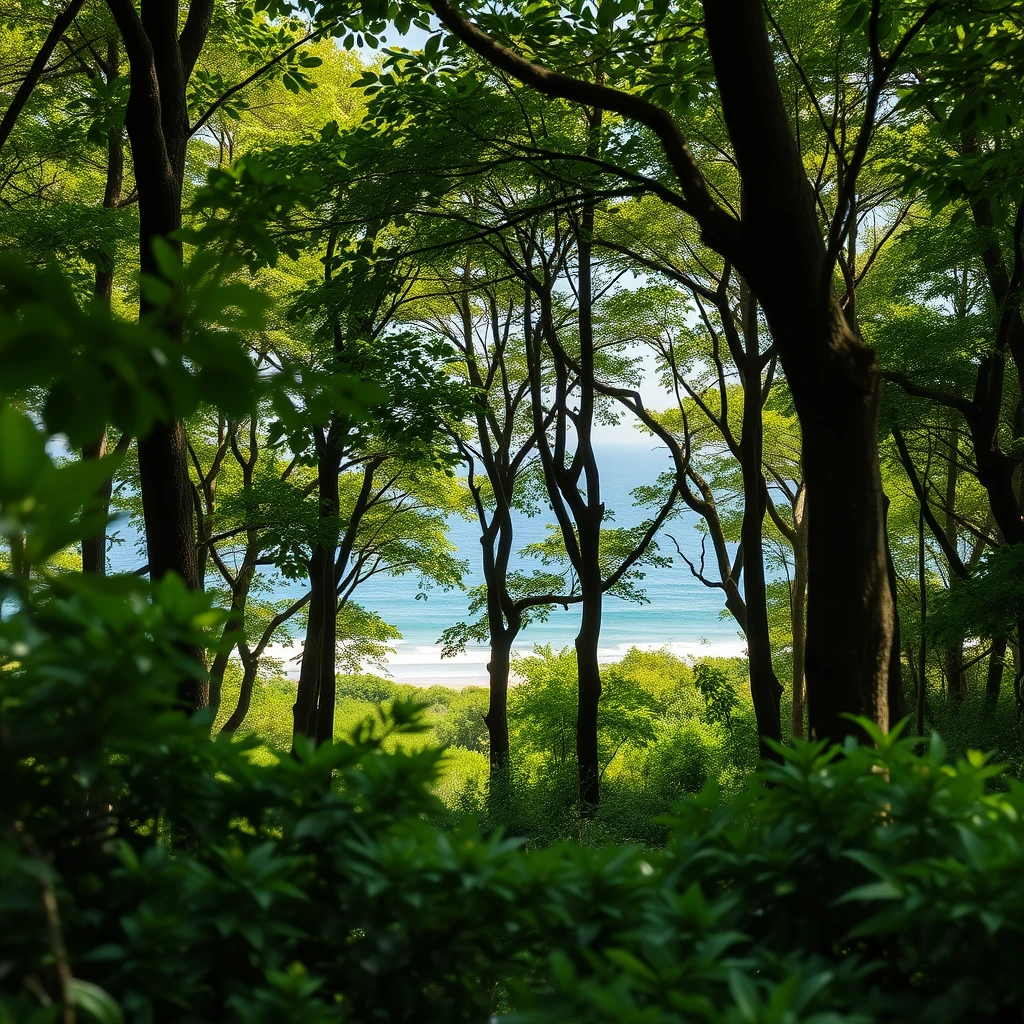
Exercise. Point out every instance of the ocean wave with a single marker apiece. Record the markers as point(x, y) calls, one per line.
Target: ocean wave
point(424, 665)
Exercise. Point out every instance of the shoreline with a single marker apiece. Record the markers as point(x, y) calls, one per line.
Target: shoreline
point(422, 665)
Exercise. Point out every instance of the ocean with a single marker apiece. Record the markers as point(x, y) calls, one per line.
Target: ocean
point(681, 614)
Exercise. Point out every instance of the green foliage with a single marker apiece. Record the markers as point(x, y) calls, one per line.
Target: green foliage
point(543, 708)
point(990, 603)
point(303, 901)
point(719, 697)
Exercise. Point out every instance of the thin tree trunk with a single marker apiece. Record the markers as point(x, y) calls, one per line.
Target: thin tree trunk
point(319, 652)
point(996, 662)
point(496, 718)
point(588, 524)
point(922, 656)
point(764, 685)
point(237, 717)
point(953, 656)
point(897, 699)
point(234, 624)
point(94, 548)
point(589, 675)
point(499, 788)
point(798, 612)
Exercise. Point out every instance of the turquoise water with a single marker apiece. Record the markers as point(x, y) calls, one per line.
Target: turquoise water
point(681, 614)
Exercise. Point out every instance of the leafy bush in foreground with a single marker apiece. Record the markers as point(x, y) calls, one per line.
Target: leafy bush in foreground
point(148, 872)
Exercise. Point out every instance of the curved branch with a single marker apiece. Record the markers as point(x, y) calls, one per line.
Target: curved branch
point(716, 224)
point(60, 25)
point(246, 82)
point(946, 398)
point(948, 548)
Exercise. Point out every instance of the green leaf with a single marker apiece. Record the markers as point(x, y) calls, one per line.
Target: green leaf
point(744, 994)
point(99, 1004)
point(22, 454)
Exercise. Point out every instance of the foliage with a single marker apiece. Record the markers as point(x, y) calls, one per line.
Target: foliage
point(990, 603)
point(543, 708)
point(718, 694)
point(312, 903)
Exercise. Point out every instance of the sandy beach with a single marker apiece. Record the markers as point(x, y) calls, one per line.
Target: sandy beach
point(423, 666)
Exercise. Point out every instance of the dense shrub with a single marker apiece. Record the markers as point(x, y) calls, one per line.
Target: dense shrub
point(147, 871)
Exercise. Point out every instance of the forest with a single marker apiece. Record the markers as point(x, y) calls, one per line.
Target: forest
point(294, 294)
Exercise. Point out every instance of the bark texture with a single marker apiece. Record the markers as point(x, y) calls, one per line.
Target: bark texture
point(156, 119)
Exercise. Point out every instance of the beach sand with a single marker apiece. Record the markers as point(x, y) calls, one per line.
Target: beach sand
point(422, 665)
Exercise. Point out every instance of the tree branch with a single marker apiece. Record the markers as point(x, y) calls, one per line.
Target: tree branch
point(246, 82)
point(60, 25)
point(718, 227)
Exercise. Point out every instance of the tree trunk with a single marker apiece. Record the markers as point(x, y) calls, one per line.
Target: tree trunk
point(897, 698)
point(589, 675)
point(237, 717)
point(798, 612)
point(496, 718)
point(996, 662)
point(504, 620)
point(156, 119)
point(922, 655)
point(956, 678)
point(850, 610)
point(94, 548)
point(764, 685)
point(833, 377)
point(953, 657)
point(234, 625)
point(313, 716)
point(589, 518)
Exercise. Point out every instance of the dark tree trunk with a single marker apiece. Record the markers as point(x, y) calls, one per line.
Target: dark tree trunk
point(922, 654)
point(833, 377)
point(956, 678)
point(589, 675)
point(897, 698)
point(504, 619)
point(156, 119)
point(499, 752)
point(237, 717)
point(996, 663)
point(850, 608)
point(589, 518)
point(798, 611)
point(764, 685)
point(496, 718)
point(94, 548)
point(312, 715)
point(953, 657)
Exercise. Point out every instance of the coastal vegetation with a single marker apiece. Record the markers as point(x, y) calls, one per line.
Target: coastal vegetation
point(289, 288)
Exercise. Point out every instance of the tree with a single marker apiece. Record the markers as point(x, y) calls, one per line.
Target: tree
point(778, 246)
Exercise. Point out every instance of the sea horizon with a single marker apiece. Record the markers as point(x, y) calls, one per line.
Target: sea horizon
point(681, 615)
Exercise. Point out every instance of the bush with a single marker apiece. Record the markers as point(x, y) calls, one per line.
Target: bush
point(148, 872)
point(367, 687)
point(190, 883)
point(460, 721)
